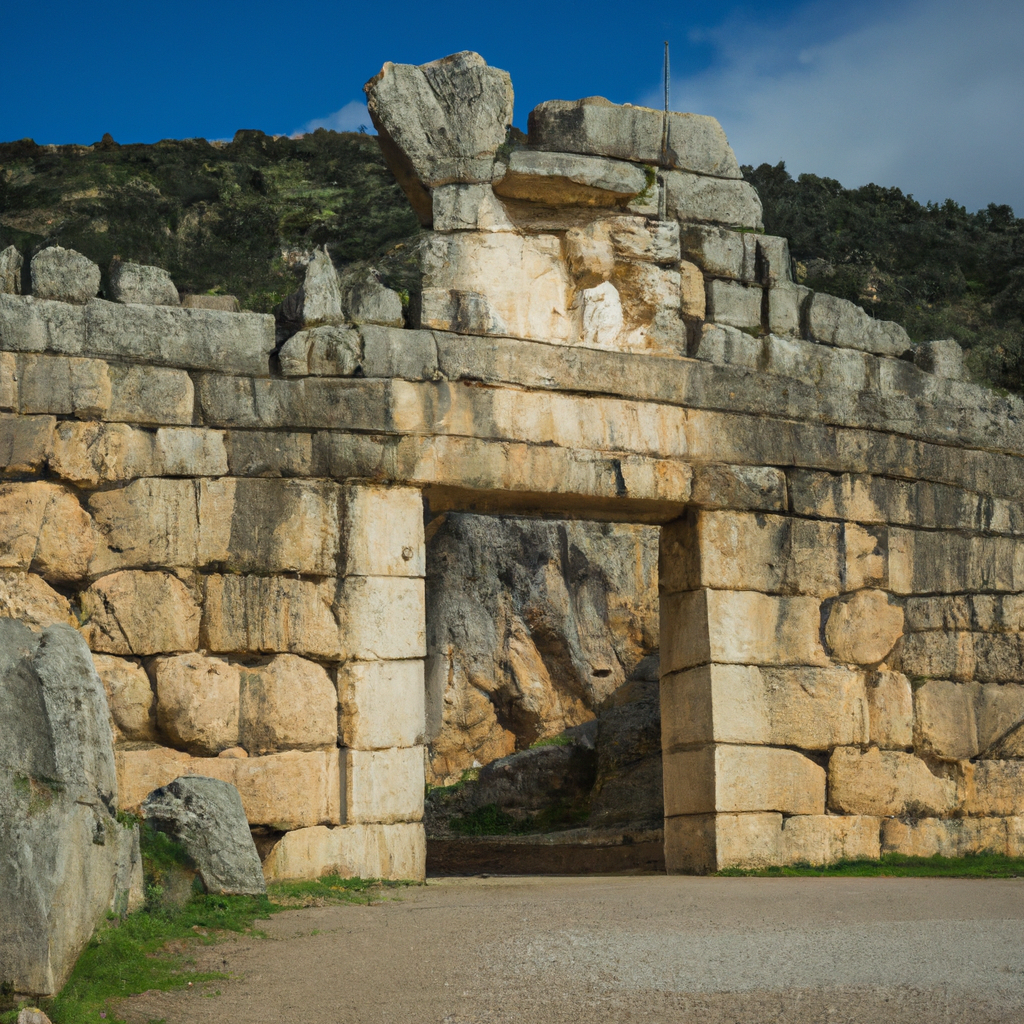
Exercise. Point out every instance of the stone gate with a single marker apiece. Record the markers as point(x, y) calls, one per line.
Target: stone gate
point(235, 521)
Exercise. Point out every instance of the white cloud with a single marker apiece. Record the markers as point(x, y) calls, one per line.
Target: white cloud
point(350, 118)
point(927, 96)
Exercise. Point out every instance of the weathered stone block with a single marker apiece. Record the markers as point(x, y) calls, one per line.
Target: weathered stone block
point(150, 394)
point(480, 283)
point(809, 708)
point(367, 301)
point(10, 271)
point(993, 787)
point(692, 197)
point(742, 778)
point(942, 837)
point(949, 563)
point(728, 346)
point(460, 207)
point(271, 614)
point(287, 704)
point(734, 304)
point(383, 786)
point(396, 852)
point(326, 351)
point(130, 698)
point(567, 179)
point(26, 442)
point(826, 839)
point(64, 386)
point(197, 703)
point(891, 710)
point(594, 125)
point(140, 613)
point(65, 275)
point(381, 704)
point(981, 613)
point(739, 627)
point(786, 304)
point(969, 719)
point(370, 550)
point(637, 238)
point(838, 322)
point(26, 596)
point(133, 282)
point(391, 352)
point(285, 791)
point(255, 453)
point(440, 122)
point(739, 487)
point(863, 628)
point(943, 358)
point(383, 617)
point(887, 782)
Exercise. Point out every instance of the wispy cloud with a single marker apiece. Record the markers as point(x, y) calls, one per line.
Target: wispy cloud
point(351, 118)
point(926, 95)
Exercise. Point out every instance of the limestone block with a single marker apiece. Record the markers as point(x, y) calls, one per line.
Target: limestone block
point(319, 301)
point(943, 358)
point(786, 304)
point(739, 487)
point(189, 451)
point(197, 703)
point(26, 442)
point(692, 197)
point(589, 253)
point(740, 550)
point(891, 710)
point(133, 282)
point(383, 617)
point(287, 704)
point(637, 238)
point(704, 843)
point(718, 251)
point(46, 530)
point(382, 786)
point(222, 303)
point(395, 852)
point(863, 628)
point(809, 708)
point(887, 782)
point(739, 627)
point(866, 557)
point(28, 324)
point(969, 719)
point(381, 704)
point(139, 613)
point(945, 837)
point(295, 789)
point(382, 531)
point(150, 394)
point(993, 787)
point(10, 271)
point(27, 597)
point(734, 304)
point(64, 386)
point(394, 352)
point(327, 351)
point(693, 293)
point(742, 778)
point(651, 304)
point(475, 207)
point(90, 453)
point(601, 320)
point(936, 656)
point(987, 613)
point(838, 322)
point(366, 301)
point(480, 283)
point(440, 122)
point(65, 275)
point(949, 563)
point(567, 179)
point(594, 125)
point(130, 698)
point(255, 453)
point(728, 346)
point(827, 839)
point(270, 614)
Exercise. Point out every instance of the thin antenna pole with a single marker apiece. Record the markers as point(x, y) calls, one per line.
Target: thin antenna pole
point(664, 119)
point(666, 76)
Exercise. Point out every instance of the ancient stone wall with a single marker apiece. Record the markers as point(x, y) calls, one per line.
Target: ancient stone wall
point(602, 333)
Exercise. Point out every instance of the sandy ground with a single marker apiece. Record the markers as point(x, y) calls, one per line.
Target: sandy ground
point(624, 949)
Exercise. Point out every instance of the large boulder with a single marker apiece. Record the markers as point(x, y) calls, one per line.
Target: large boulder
point(65, 275)
point(206, 816)
point(440, 122)
point(65, 860)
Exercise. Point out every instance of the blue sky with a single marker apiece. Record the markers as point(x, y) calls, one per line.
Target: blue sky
point(927, 95)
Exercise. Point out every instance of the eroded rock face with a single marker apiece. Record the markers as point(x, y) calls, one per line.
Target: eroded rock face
point(440, 122)
point(66, 861)
point(531, 626)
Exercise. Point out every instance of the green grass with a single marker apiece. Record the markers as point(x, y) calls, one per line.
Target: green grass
point(892, 865)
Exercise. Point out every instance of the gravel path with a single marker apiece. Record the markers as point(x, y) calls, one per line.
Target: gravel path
point(624, 949)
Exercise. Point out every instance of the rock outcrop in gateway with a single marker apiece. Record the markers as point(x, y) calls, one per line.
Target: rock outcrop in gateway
point(236, 527)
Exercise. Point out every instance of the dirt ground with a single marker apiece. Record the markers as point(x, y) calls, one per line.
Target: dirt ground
point(628, 949)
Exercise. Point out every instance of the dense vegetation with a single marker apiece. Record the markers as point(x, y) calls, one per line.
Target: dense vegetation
point(220, 217)
point(938, 270)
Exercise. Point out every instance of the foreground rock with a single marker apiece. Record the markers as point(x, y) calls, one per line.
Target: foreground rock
point(65, 861)
point(206, 817)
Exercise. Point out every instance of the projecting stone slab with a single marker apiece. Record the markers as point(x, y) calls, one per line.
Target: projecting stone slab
point(887, 782)
point(691, 197)
point(742, 778)
point(396, 852)
point(133, 282)
point(838, 322)
point(383, 786)
point(381, 704)
point(564, 179)
point(440, 122)
point(594, 125)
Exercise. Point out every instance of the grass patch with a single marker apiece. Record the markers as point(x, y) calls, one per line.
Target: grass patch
point(893, 865)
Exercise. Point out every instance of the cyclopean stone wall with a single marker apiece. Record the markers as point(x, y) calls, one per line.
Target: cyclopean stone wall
point(237, 526)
